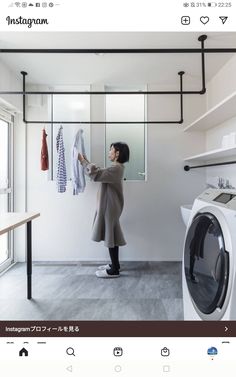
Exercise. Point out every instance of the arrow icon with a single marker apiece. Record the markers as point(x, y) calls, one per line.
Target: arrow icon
point(223, 19)
point(69, 368)
point(226, 329)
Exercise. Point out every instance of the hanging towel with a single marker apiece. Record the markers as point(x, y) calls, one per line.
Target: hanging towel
point(61, 164)
point(78, 177)
point(44, 152)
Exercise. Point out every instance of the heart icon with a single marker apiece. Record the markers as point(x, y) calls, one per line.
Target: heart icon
point(204, 20)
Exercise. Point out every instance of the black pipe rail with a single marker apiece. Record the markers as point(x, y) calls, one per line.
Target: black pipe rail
point(119, 50)
point(180, 121)
point(180, 92)
point(202, 51)
point(187, 167)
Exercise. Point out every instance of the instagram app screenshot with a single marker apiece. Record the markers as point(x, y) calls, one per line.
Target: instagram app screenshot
point(117, 188)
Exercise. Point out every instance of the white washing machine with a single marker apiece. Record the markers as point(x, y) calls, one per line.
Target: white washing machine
point(209, 257)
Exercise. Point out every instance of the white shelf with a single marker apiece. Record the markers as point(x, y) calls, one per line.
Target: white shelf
point(214, 154)
point(218, 114)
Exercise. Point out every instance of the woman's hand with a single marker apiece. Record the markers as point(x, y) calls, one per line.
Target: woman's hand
point(80, 157)
point(85, 158)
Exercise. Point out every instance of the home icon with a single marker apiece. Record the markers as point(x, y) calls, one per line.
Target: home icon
point(23, 352)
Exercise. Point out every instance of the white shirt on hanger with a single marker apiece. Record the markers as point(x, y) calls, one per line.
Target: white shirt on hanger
point(78, 177)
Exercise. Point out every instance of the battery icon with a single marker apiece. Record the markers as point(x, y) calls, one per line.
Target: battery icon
point(212, 5)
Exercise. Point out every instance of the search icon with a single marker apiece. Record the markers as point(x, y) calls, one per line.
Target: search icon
point(70, 351)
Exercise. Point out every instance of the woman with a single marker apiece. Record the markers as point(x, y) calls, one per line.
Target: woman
point(106, 225)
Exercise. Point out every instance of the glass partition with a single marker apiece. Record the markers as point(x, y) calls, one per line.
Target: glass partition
point(70, 108)
point(130, 108)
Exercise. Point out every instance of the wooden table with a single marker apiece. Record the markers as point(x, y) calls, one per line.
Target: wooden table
point(10, 221)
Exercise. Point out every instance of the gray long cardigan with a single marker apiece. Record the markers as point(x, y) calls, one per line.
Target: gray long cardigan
point(106, 225)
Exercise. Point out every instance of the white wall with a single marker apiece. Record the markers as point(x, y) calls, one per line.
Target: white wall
point(221, 86)
point(13, 82)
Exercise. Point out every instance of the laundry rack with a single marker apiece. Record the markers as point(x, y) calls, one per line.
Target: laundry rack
point(202, 51)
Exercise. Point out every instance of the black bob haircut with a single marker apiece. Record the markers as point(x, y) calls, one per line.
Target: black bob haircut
point(123, 151)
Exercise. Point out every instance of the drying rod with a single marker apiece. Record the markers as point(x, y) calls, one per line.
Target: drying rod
point(201, 50)
point(187, 167)
point(118, 50)
point(180, 92)
point(180, 121)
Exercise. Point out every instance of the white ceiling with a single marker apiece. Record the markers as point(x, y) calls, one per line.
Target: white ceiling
point(112, 69)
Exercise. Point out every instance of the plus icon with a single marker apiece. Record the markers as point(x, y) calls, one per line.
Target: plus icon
point(185, 20)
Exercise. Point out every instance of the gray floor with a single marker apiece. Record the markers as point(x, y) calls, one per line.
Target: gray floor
point(145, 291)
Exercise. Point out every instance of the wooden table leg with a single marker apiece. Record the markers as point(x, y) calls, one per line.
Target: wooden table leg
point(29, 260)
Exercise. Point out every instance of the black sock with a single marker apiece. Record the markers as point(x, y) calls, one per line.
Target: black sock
point(110, 265)
point(115, 265)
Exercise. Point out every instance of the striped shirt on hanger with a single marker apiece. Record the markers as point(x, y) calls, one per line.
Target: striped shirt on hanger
point(61, 163)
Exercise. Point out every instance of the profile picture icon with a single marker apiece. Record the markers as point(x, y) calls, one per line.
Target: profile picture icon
point(212, 351)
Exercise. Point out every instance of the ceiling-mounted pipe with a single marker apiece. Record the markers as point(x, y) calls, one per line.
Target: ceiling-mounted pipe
point(201, 39)
point(119, 51)
point(52, 121)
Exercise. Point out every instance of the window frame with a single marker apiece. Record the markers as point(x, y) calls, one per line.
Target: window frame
point(138, 88)
point(9, 119)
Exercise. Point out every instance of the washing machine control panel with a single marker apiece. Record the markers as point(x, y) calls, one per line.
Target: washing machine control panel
point(224, 198)
point(220, 197)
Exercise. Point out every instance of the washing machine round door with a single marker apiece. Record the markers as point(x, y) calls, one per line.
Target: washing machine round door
point(206, 263)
